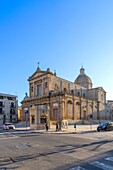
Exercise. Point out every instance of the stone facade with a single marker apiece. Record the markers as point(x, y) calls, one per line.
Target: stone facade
point(52, 98)
point(109, 110)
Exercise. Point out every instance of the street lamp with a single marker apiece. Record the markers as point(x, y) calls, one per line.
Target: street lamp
point(49, 109)
point(26, 115)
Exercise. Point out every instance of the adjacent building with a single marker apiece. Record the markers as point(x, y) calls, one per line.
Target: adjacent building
point(109, 110)
point(8, 108)
point(20, 113)
point(52, 98)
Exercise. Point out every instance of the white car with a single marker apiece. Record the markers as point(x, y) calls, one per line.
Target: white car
point(8, 126)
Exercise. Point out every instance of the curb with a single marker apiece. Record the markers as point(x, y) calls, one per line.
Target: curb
point(62, 132)
point(48, 132)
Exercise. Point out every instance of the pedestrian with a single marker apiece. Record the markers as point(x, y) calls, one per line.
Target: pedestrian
point(46, 125)
point(57, 126)
point(75, 126)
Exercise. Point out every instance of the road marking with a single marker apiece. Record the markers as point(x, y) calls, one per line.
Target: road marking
point(109, 159)
point(7, 136)
point(102, 165)
point(89, 137)
point(21, 146)
point(97, 164)
point(77, 168)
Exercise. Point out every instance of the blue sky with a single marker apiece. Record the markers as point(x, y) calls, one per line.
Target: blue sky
point(61, 35)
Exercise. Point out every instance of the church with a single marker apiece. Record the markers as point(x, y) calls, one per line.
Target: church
point(53, 99)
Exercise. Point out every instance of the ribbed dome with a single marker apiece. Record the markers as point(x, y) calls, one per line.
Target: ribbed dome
point(83, 79)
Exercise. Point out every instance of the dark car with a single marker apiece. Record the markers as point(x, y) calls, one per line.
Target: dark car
point(105, 126)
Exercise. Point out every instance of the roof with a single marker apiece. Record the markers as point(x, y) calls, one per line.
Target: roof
point(8, 95)
point(39, 72)
point(82, 78)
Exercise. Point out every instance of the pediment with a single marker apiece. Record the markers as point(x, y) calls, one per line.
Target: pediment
point(38, 73)
point(101, 88)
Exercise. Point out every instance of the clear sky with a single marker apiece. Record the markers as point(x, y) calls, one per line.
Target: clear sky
point(61, 35)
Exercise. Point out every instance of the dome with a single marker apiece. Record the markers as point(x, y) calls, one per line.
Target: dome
point(83, 79)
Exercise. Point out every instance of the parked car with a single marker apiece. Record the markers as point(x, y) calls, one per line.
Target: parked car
point(106, 126)
point(8, 126)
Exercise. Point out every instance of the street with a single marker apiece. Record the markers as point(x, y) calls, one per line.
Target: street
point(85, 151)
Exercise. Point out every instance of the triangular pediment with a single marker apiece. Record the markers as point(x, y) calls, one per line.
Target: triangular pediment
point(101, 88)
point(38, 73)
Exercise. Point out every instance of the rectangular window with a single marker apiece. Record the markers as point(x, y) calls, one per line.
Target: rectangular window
point(12, 104)
point(45, 84)
point(39, 90)
point(61, 85)
point(1, 111)
point(1, 97)
point(1, 103)
point(33, 119)
point(12, 111)
point(68, 87)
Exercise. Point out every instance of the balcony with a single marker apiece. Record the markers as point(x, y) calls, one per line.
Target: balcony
point(12, 112)
point(2, 105)
point(2, 112)
point(12, 106)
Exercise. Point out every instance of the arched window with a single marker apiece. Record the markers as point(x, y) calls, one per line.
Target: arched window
point(72, 92)
point(69, 102)
point(78, 103)
point(84, 95)
point(65, 90)
point(78, 93)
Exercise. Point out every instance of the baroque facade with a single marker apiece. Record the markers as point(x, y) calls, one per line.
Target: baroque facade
point(52, 99)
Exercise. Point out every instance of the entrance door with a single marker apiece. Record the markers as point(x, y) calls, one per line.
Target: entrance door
point(70, 111)
point(43, 120)
point(84, 114)
point(55, 114)
point(32, 119)
point(11, 118)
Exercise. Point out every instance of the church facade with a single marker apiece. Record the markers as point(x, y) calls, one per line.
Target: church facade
point(53, 99)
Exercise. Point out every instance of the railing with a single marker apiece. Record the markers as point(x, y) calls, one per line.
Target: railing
point(12, 112)
point(2, 112)
point(2, 105)
point(12, 106)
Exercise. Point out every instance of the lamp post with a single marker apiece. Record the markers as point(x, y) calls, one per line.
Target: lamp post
point(60, 119)
point(98, 111)
point(73, 104)
point(26, 115)
point(49, 109)
point(80, 108)
point(60, 109)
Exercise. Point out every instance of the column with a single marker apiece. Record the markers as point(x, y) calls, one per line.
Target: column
point(38, 115)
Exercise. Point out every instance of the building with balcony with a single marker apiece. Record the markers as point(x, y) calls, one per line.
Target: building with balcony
point(52, 98)
point(8, 108)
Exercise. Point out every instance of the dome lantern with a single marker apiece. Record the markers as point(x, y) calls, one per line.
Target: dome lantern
point(83, 79)
point(82, 70)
